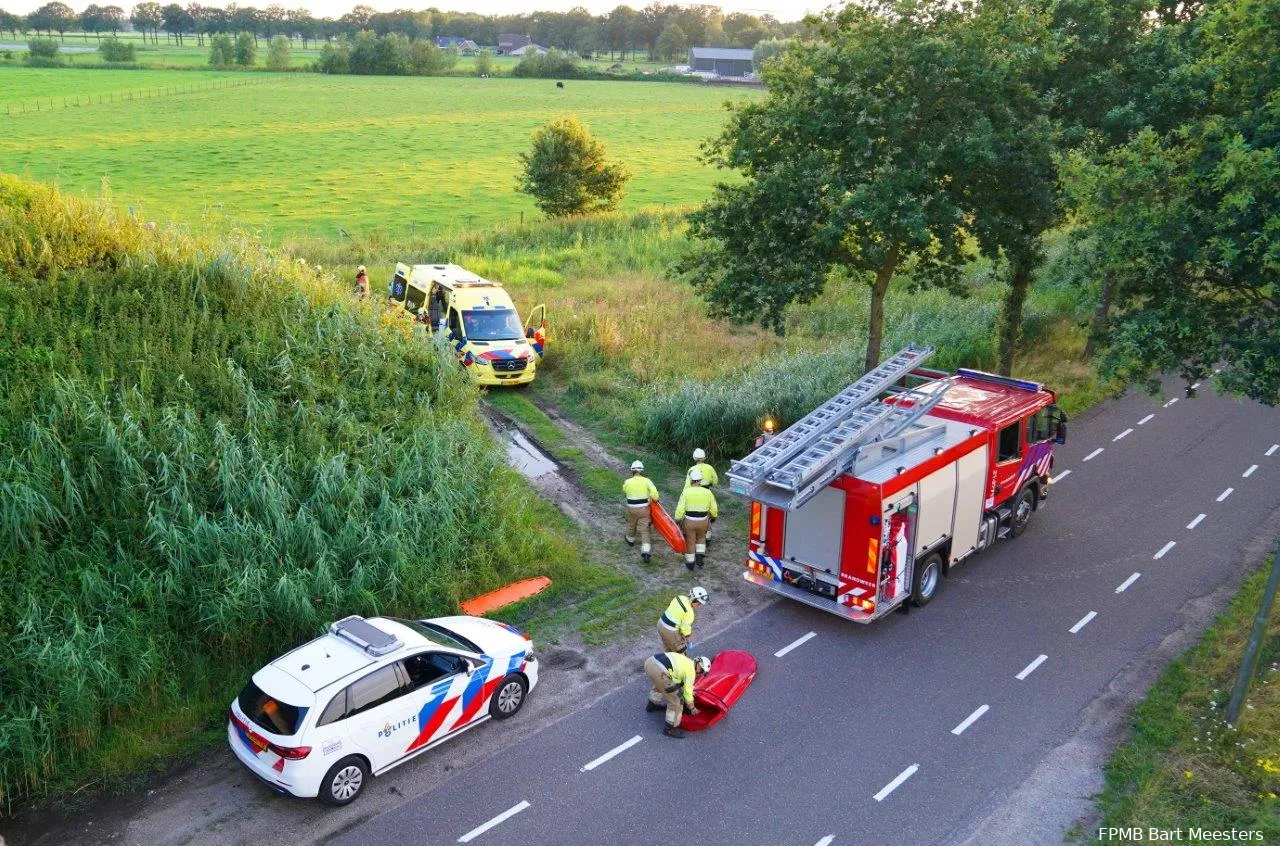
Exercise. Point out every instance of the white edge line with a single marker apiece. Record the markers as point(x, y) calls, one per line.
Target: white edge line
point(1164, 549)
point(1225, 494)
point(1246, 474)
point(1031, 668)
point(617, 750)
point(1058, 478)
point(1125, 584)
point(893, 785)
point(970, 720)
point(826, 841)
point(498, 820)
point(1123, 434)
point(1093, 454)
point(1146, 419)
point(1273, 449)
point(1196, 522)
point(793, 644)
point(1084, 621)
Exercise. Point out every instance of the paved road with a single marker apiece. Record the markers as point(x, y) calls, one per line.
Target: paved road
point(913, 729)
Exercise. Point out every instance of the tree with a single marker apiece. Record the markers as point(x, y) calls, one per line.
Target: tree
point(176, 20)
point(859, 162)
point(484, 63)
point(619, 30)
point(334, 59)
point(222, 51)
point(42, 50)
point(113, 49)
point(12, 23)
point(278, 54)
point(147, 17)
point(672, 43)
point(566, 172)
point(246, 49)
point(53, 17)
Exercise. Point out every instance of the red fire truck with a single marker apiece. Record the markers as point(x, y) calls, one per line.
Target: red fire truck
point(866, 502)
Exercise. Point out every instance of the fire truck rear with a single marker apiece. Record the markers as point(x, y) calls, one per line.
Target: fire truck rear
point(866, 502)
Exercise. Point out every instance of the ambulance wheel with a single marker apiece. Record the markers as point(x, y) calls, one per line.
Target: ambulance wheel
point(1023, 505)
point(924, 584)
point(344, 781)
point(509, 697)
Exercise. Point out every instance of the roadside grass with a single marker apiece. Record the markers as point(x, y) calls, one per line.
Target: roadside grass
point(1183, 766)
point(338, 156)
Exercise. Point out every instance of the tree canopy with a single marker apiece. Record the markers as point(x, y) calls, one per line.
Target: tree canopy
point(567, 173)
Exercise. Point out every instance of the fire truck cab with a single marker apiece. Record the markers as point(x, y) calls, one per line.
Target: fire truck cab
point(866, 502)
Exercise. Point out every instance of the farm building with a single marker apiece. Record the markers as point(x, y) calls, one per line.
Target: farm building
point(463, 45)
point(508, 44)
point(721, 61)
point(527, 49)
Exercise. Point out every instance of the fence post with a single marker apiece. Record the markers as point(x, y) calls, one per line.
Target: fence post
point(1254, 646)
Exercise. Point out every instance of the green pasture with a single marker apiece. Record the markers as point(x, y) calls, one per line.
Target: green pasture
point(27, 85)
point(310, 154)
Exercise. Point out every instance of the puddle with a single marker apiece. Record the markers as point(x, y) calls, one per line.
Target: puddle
point(531, 462)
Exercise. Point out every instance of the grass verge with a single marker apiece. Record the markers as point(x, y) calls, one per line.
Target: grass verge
point(1184, 767)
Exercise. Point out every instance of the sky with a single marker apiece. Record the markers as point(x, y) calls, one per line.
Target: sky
point(786, 10)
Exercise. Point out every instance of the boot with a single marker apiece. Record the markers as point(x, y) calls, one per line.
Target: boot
point(653, 706)
point(644, 556)
point(629, 541)
point(673, 731)
point(689, 565)
point(700, 560)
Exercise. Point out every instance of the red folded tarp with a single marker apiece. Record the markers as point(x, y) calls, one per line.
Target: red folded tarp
point(717, 691)
point(667, 527)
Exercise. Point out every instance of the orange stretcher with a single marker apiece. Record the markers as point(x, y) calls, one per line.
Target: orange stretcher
point(493, 600)
point(666, 527)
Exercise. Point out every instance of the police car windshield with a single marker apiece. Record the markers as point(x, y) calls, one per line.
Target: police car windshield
point(439, 634)
point(501, 324)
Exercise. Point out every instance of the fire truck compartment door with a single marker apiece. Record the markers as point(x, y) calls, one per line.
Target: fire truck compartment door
point(937, 507)
point(816, 530)
point(971, 481)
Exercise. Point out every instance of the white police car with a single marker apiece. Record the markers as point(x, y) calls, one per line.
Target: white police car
point(371, 694)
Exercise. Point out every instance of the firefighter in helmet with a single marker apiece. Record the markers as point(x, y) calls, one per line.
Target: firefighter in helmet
point(694, 512)
point(639, 492)
point(675, 626)
point(672, 675)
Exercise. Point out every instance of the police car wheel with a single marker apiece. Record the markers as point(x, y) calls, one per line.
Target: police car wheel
point(344, 781)
point(1023, 505)
point(508, 699)
point(925, 580)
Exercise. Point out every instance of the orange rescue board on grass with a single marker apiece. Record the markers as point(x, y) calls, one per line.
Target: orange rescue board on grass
point(667, 527)
point(493, 600)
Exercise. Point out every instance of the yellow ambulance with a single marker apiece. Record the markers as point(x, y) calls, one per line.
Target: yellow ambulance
point(477, 318)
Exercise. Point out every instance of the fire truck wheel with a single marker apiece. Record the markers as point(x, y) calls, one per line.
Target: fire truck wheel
point(925, 582)
point(1023, 505)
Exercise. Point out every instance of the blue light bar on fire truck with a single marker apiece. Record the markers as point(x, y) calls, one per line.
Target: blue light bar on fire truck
point(980, 376)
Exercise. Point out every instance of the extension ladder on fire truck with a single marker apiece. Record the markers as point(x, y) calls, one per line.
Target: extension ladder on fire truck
point(787, 471)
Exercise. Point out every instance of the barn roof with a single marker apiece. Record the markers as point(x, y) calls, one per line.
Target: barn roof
point(722, 53)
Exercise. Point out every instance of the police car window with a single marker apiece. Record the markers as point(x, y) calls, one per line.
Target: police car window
point(1010, 442)
point(274, 715)
point(377, 688)
point(500, 324)
point(427, 667)
point(335, 711)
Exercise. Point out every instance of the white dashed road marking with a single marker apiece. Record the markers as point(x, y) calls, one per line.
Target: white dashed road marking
point(1246, 474)
point(1058, 478)
point(1273, 449)
point(1145, 419)
point(893, 785)
point(1123, 434)
point(826, 841)
point(1170, 402)
point(969, 720)
point(1031, 668)
point(498, 820)
point(1084, 621)
point(1196, 522)
point(1125, 584)
point(1195, 386)
point(793, 644)
point(1225, 494)
point(1093, 454)
point(1164, 549)
point(617, 750)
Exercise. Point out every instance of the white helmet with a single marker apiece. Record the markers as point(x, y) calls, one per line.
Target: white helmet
point(695, 475)
point(360, 268)
point(699, 454)
point(637, 466)
point(703, 664)
point(699, 595)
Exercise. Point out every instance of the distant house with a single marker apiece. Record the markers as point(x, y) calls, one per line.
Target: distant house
point(721, 61)
point(463, 45)
point(508, 44)
point(527, 49)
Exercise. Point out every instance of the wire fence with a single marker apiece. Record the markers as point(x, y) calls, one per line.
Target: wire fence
point(72, 101)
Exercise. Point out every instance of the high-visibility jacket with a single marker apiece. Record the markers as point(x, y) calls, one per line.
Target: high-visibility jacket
point(681, 670)
point(639, 490)
point(697, 503)
point(709, 476)
point(679, 616)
